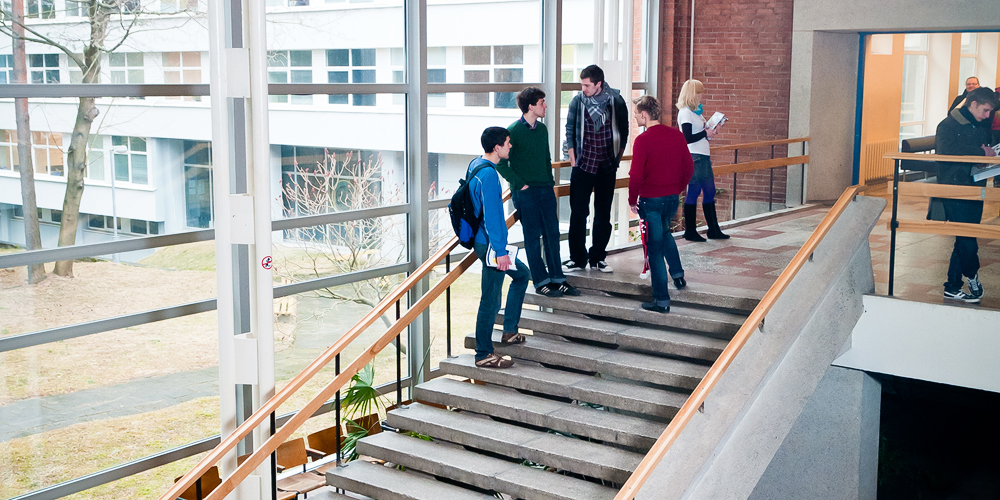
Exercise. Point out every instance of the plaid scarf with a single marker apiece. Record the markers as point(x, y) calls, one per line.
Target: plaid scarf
point(597, 106)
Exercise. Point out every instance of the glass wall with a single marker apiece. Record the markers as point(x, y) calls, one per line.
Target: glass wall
point(148, 169)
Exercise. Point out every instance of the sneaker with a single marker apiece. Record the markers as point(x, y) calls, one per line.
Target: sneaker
point(549, 290)
point(568, 289)
point(680, 283)
point(644, 275)
point(961, 296)
point(651, 306)
point(603, 267)
point(975, 287)
point(570, 266)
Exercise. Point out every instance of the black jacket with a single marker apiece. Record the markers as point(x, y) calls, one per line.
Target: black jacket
point(961, 135)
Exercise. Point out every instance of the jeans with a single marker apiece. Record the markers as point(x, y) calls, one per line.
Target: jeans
point(602, 184)
point(702, 181)
point(965, 254)
point(489, 302)
point(657, 212)
point(537, 207)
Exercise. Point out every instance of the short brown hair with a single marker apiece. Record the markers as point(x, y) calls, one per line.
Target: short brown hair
point(649, 105)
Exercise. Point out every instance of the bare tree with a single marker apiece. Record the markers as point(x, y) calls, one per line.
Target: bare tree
point(32, 236)
point(351, 182)
point(105, 17)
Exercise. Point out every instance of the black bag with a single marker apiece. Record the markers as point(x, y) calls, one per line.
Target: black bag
point(463, 213)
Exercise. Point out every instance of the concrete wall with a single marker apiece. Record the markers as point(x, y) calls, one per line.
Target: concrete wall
point(724, 451)
point(832, 450)
point(947, 344)
point(825, 46)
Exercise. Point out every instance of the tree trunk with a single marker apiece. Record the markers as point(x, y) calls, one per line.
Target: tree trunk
point(76, 156)
point(32, 236)
point(76, 171)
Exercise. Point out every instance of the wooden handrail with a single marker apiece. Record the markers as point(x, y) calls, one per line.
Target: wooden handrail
point(932, 157)
point(759, 144)
point(564, 164)
point(715, 373)
point(751, 166)
point(297, 382)
point(950, 191)
point(945, 228)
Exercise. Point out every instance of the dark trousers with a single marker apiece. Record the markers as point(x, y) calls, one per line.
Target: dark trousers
point(582, 184)
point(660, 245)
point(540, 225)
point(965, 254)
point(489, 302)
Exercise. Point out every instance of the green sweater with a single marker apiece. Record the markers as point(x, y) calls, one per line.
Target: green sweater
point(530, 161)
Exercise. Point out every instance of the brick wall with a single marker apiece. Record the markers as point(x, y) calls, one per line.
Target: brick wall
point(742, 52)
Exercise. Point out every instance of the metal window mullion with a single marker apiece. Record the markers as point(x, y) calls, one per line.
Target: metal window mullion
point(552, 69)
point(418, 241)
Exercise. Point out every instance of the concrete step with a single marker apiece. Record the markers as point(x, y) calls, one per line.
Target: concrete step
point(531, 376)
point(388, 483)
point(478, 470)
point(328, 493)
point(623, 364)
point(713, 323)
point(704, 294)
point(569, 418)
point(659, 339)
point(553, 450)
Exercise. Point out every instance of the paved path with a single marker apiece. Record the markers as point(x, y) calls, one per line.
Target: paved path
point(751, 259)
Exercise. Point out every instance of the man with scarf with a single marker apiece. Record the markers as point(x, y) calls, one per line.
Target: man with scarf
point(596, 130)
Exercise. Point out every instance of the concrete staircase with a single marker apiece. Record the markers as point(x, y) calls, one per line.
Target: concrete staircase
point(592, 389)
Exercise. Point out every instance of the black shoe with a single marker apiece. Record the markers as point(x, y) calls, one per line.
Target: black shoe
point(651, 306)
point(570, 266)
point(680, 283)
point(568, 289)
point(961, 296)
point(691, 223)
point(549, 290)
point(602, 266)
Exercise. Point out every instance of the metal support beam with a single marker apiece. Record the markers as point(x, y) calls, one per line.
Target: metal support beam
point(418, 181)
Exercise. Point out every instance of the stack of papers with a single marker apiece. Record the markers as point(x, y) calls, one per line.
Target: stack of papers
point(491, 256)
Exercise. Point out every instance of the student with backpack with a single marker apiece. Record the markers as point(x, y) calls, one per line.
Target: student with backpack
point(491, 239)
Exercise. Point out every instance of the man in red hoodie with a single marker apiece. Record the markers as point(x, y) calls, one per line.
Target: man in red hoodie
point(661, 169)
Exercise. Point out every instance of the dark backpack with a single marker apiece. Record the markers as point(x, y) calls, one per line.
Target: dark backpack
point(464, 220)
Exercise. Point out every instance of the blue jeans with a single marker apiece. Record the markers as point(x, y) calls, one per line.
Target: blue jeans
point(537, 207)
point(489, 302)
point(965, 254)
point(657, 212)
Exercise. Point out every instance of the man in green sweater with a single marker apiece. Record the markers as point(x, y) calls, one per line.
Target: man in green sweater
point(529, 172)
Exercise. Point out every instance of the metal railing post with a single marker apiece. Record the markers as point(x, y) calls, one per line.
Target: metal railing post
point(770, 192)
point(447, 305)
point(893, 224)
point(736, 159)
point(337, 405)
point(399, 365)
point(274, 464)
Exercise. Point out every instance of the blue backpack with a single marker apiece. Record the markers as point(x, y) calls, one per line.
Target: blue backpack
point(464, 220)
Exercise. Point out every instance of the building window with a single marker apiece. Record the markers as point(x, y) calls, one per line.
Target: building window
point(44, 68)
point(95, 158)
point(574, 59)
point(182, 67)
point(130, 159)
point(76, 8)
point(282, 66)
point(172, 6)
point(48, 151)
point(44, 9)
point(351, 66)
point(8, 150)
point(130, 6)
point(6, 69)
point(198, 183)
point(501, 63)
point(126, 67)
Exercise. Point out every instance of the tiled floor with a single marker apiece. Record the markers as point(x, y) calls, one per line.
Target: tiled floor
point(758, 252)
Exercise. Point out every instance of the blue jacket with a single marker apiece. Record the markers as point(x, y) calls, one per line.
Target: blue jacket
point(485, 190)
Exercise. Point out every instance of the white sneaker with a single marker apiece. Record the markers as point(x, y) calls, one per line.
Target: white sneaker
point(603, 267)
point(644, 275)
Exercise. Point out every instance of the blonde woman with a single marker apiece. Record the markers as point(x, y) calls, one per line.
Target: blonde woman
point(692, 124)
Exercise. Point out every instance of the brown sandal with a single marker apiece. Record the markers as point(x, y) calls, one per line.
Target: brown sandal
point(509, 338)
point(494, 361)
